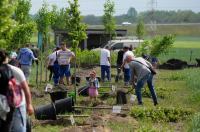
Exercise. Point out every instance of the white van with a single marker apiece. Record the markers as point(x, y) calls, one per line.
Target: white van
point(119, 44)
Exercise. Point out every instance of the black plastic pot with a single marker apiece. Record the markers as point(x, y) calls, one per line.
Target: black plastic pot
point(121, 97)
point(28, 124)
point(46, 112)
point(83, 91)
point(78, 80)
point(56, 95)
point(64, 105)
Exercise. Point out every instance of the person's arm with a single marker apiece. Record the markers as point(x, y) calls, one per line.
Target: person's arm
point(148, 63)
point(32, 56)
point(27, 93)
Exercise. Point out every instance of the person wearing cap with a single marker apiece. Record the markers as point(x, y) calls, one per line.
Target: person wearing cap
point(93, 85)
point(13, 59)
point(64, 58)
point(125, 66)
point(141, 73)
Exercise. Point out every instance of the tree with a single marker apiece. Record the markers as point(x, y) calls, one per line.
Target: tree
point(108, 19)
point(25, 26)
point(6, 22)
point(75, 28)
point(22, 11)
point(132, 14)
point(43, 20)
point(58, 18)
point(140, 30)
point(158, 45)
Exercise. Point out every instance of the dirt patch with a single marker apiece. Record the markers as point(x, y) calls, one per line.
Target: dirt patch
point(97, 119)
point(36, 93)
point(84, 72)
point(87, 128)
point(87, 101)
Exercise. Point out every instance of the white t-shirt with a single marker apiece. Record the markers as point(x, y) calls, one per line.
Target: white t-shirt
point(105, 54)
point(127, 53)
point(64, 57)
point(52, 58)
point(19, 76)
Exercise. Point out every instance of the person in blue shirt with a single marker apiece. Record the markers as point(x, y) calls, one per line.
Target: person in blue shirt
point(25, 58)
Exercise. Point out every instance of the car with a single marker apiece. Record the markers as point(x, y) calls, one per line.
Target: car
point(119, 44)
point(126, 23)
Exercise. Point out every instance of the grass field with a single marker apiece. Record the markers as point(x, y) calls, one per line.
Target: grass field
point(185, 48)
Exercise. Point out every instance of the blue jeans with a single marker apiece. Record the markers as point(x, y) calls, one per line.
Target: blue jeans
point(64, 70)
point(105, 70)
point(127, 75)
point(149, 79)
point(18, 123)
point(56, 73)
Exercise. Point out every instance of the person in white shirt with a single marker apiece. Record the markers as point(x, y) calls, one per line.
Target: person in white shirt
point(53, 66)
point(64, 57)
point(105, 63)
point(17, 123)
point(125, 66)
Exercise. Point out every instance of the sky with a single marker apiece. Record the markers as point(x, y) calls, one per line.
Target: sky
point(95, 7)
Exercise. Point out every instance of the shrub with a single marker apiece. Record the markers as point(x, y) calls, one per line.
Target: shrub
point(161, 114)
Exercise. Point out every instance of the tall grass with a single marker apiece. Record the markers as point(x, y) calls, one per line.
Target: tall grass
point(195, 123)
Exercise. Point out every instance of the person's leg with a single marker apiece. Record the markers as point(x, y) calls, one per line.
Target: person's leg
point(67, 74)
point(138, 88)
point(18, 123)
point(51, 72)
point(62, 74)
point(102, 73)
point(56, 74)
point(26, 70)
point(151, 88)
point(108, 73)
point(126, 76)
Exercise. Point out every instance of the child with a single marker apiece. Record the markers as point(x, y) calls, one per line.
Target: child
point(93, 84)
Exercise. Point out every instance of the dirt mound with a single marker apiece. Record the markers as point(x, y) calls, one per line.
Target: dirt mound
point(87, 128)
point(36, 93)
point(174, 64)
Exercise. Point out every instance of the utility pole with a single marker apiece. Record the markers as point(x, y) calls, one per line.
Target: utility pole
point(153, 26)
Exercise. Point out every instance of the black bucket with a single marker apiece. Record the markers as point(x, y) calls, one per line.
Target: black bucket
point(121, 97)
point(78, 80)
point(28, 124)
point(46, 112)
point(83, 91)
point(64, 105)
point(56, 95)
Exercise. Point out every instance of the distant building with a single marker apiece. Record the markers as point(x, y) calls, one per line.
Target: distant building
point(96, 37)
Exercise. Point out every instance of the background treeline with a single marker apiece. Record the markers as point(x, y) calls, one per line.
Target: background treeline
point(167, 17)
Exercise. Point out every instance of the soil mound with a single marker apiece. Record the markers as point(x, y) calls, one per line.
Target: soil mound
point(174, 64)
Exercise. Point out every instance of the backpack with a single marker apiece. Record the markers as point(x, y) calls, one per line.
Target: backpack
point(9, 87)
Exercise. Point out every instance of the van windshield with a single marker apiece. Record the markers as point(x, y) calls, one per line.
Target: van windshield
point(117, 46)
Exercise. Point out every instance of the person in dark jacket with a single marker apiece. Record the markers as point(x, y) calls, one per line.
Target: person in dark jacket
point(119, 63)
